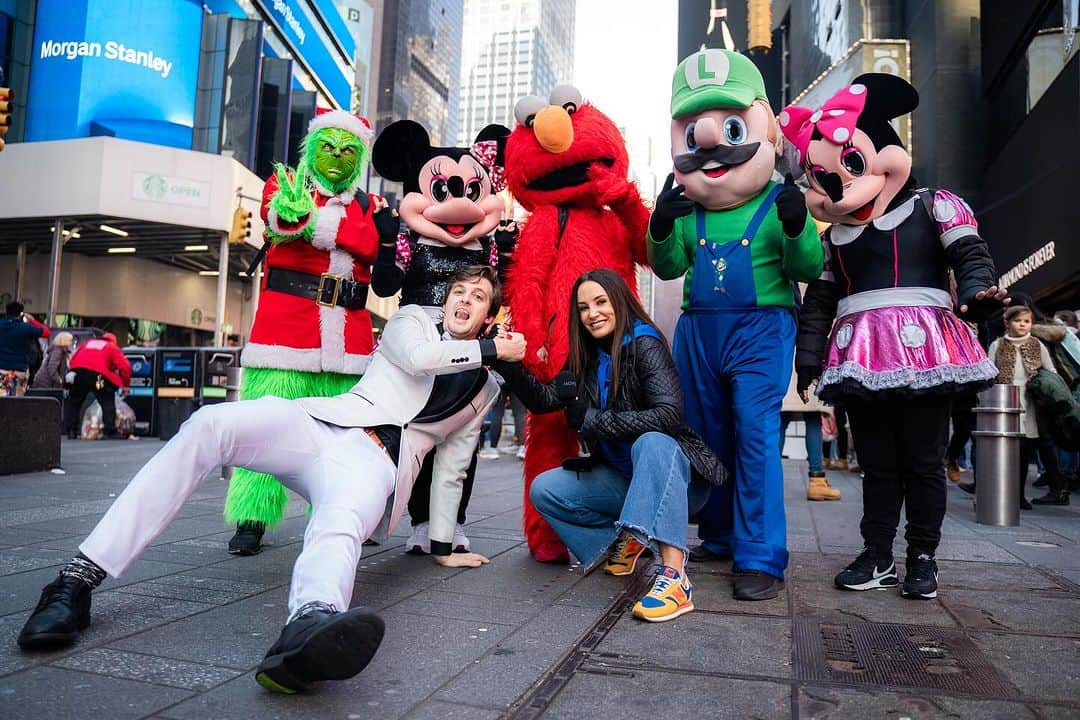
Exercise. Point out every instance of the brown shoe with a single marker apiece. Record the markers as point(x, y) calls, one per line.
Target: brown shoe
point(840, 464)
point(953, 471)
point(819, 488)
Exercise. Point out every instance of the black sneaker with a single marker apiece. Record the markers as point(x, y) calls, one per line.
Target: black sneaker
point(61, 614)
point(248, 538)
point(920, 582)
point(320, 643)
point(872, 570)
point(1053, 497)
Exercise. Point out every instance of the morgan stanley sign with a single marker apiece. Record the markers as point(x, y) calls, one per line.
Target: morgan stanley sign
point(125, 68)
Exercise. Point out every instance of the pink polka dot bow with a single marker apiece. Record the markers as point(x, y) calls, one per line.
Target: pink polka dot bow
point(486, 153)
point(835, 120)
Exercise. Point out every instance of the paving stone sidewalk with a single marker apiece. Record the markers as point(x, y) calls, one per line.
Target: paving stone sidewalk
point(179, 635)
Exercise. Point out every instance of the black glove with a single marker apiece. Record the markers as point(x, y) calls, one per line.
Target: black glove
point(671, 204)
point(791, 208)
point(505, 239)
point(387, 224)
point(978, 310)
point(576, 412)
point(805, 376)
point(566, 386)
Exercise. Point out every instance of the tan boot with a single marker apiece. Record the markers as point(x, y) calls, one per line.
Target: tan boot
point(840, 464)
point(819, 488)
point(953, 471)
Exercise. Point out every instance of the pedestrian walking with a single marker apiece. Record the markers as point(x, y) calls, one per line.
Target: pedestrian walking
point(17, 331)
point(810, 413)
point(53, 371)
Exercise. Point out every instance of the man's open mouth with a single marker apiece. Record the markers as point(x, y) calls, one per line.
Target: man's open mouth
point(569, 176)
point(457, 230)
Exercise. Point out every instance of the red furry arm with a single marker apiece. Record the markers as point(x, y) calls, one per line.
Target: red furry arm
point(635, 218)
point(529, 275)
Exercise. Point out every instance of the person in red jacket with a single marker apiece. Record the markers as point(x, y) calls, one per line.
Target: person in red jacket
point(100, 368)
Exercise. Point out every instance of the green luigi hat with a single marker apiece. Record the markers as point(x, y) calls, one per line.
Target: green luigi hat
point(714, 78)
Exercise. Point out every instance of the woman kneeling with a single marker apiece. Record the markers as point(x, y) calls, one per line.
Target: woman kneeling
point(645, 471)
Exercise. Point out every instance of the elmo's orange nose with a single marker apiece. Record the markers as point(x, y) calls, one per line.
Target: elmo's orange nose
point(553, 129)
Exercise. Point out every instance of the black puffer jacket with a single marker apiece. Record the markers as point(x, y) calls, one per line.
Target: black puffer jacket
point(649, 400)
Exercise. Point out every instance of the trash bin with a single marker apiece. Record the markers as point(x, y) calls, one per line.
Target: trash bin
point(142, 397)
point(172, 412)
point(997, 456)
point(175, 388)
point(213, 371)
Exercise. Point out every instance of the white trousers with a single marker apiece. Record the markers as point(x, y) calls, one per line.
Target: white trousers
point(345, 476)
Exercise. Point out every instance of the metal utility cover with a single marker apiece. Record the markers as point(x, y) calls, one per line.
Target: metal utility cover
point(894, 655)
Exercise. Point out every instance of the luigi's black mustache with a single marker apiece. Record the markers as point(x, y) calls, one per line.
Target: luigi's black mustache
point(725, 154)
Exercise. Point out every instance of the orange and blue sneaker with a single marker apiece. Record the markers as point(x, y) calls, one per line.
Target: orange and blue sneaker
point(624, 557)
point(668, 599)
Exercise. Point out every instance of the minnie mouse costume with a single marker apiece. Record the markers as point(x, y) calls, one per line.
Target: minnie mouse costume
point(453, 220)
point(897, 353)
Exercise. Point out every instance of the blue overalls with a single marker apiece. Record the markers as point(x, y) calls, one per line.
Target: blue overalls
point(734, 361)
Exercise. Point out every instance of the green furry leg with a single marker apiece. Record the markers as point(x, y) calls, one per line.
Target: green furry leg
point(258, 496)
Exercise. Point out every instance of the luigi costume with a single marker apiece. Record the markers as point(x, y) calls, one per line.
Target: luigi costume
point(735, 340)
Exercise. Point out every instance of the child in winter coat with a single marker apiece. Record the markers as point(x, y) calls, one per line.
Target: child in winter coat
point(1018, 357)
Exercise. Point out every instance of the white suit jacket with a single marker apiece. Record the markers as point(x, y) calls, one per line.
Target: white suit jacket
point(394, 389)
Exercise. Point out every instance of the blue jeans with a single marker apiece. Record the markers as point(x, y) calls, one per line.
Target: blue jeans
point(814, 450)
point(589, 509)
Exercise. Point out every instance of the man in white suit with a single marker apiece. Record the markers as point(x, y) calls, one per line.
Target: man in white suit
point(353, 457)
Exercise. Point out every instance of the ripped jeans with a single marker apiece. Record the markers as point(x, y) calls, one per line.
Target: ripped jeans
point(589, 509)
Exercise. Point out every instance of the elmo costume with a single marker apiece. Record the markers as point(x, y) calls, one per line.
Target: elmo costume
point(566, 163)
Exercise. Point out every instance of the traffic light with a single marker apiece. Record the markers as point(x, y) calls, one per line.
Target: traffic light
point(6, 98)
point(241, 226)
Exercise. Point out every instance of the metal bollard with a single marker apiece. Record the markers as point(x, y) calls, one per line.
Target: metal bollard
point(997, 456)
point(232, 392)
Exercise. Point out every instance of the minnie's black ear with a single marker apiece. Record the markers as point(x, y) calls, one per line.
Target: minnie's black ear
point(887, 96)
point(498, 133)
point(400, 150)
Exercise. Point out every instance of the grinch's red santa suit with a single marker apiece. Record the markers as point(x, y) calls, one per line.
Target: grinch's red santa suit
point(311, 314)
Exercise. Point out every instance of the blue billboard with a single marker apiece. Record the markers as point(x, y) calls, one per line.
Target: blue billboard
point(126, 68)
point(293, 21)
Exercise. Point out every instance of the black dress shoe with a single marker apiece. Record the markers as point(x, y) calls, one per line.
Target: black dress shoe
point(1054, 497)
point(968, 487)
point(248, 538)
point(700, 553)
point(320, 644)
point(756, 585)
point(61, 613)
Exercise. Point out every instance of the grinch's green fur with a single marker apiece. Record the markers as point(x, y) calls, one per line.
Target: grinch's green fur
point(258, 496)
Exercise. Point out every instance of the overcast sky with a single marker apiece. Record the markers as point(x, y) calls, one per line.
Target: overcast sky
point(624, 55)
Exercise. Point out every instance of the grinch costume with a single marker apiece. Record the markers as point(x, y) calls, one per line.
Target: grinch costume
point(741, 240)
point(312, 334)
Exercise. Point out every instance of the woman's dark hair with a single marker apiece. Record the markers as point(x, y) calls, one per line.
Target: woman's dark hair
point(584, 351)
point(472, 273)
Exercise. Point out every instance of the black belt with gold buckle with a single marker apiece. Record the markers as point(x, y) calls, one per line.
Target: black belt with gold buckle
point(326, 289)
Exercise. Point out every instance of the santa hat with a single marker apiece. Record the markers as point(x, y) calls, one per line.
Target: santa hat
point(356, 124)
